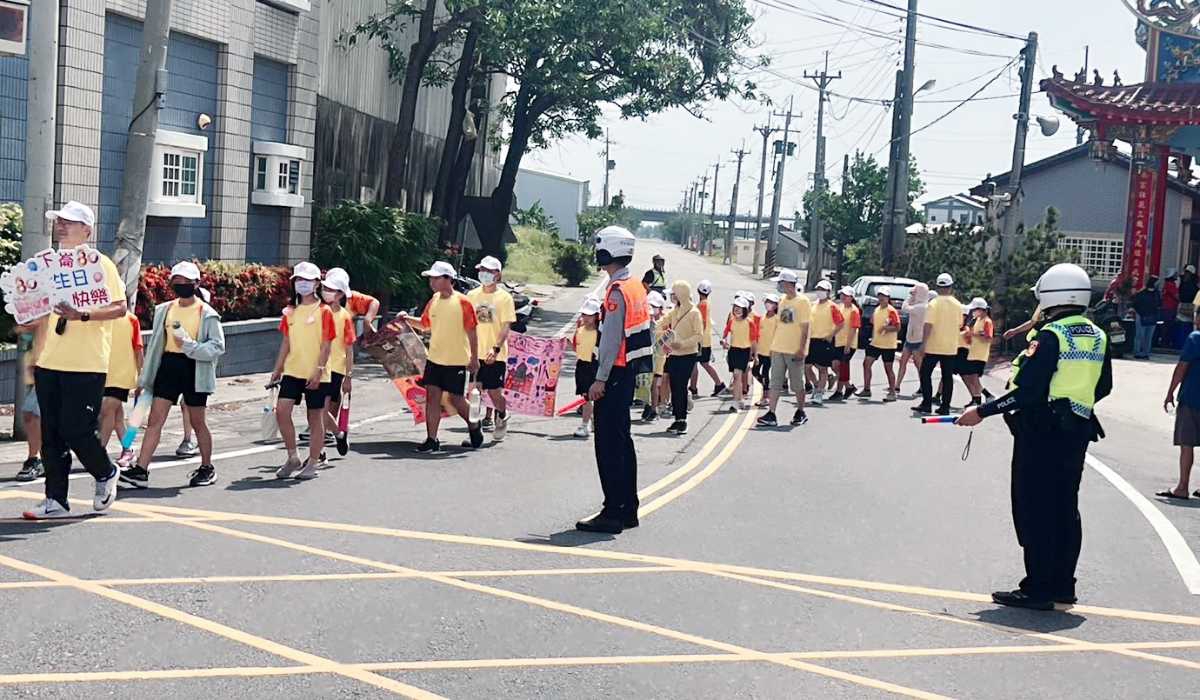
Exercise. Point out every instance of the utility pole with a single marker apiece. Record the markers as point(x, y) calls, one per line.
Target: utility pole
point(608, 165)
point(766, 132)
point(139, 153)
point(700, 213)
point(712, 217)
point(737, 181)
point(816, 236)
point(42, 111)
point(1012, 212)
point(895, 218)
point(773, 240)
point(1079, 131)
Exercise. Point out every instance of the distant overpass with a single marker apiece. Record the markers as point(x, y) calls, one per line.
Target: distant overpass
point(662, 215)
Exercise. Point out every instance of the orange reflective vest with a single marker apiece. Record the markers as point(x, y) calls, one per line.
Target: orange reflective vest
point(637, 347)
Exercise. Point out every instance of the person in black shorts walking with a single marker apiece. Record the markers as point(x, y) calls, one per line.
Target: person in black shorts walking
point(885, 337)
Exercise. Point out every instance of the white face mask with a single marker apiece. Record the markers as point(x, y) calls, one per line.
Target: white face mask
point(486, 277)
point(822, 295)
point(305, 287)
point(329, 297)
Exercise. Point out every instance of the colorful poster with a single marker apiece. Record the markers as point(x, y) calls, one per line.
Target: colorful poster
point(414, 395)
point(398, 348)
point(26, 288)
point(531, 380)
point(77, 278)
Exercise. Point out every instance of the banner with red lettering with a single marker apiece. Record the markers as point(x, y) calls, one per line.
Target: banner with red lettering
point(1140, 222)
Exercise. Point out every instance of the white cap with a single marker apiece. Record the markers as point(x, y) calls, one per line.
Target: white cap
point(440, 269)
point(945, 280)
point(186, 269)
point(772, 297)
point(826, 285)
point(786, 276)
point(306, 271)
point(750, 297)
point(336, 282)
point(74, 211)
point(338, 273)
point(884, 292)
point(742, 302)
point(1189, 268)
point(656, 300)
point(705, 287)
point(848, 291)
point(591, 305)
point(978, 303)
point(489, 263)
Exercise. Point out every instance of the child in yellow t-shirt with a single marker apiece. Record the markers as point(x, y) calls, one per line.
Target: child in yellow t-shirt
point(124, 366)
point(885, 337)
point(587, 337)
point(766, 337)
point(335, 292)
point(978, 335)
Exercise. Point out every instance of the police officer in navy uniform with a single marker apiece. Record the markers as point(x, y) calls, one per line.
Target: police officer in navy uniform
point(625, 349)
point(1055, 385)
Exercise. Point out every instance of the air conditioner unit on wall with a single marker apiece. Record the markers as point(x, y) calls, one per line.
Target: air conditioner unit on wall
point(14, 26)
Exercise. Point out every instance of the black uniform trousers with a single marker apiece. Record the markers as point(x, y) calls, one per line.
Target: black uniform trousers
point(615, 454)
point(70, 404)
point(1047, 466)
point(679, 373)
point(926, 374)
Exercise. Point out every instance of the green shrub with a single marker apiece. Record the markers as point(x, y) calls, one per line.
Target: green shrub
point(574, 261)
point(12, 223)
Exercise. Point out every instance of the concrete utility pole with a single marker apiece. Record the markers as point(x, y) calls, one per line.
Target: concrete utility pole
point(816, 236)
point(700, 213)
point(42, 108)
point(608, 165)
point(766, 132)
point(737, 182)
point(712, 217)
point(895, 218)
point(1012, 212)
point(139, 153)
point(773, 240)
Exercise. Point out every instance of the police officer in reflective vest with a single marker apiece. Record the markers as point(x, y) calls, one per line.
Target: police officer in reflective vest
point(625, 350)
point(658, 275)
point(1054, 387)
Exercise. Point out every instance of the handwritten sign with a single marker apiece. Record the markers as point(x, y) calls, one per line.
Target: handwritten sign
point(77, 278)
point(531, 379)
point(26, 288)
point(414, 395)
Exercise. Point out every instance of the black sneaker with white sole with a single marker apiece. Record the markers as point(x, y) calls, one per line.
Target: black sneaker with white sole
point(767, 420)
point(135, 476)
point(800, 418)
point(32, 469)
point(343, 443)
point(475, 431)
point(206, 475)
point(430, 446)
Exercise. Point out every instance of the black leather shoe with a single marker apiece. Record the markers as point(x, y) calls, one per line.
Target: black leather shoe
point(1019, 599)
point(631, 522)
point(600, 523)
point(1069, 599)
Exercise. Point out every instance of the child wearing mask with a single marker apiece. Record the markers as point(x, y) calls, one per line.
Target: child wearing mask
point(124, 365)
point(681, 340)
point(653, 390)
point(587, 337)
point(302, 370)
point(766, 336)
point(741, 343)
point(335, 292)
point(704, 359)
point(826, 321)
point(846, 341)
point(979, 333)
point(180, 361)
point(885, 330)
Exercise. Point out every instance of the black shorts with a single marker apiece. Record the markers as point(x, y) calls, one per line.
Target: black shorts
point(889, 356)
point(820, 353)
point(960, 361)
point(177, 377)
point(451, 379)
point(335, 387)
point(293, 388)
point(585, 376)
point(491, 376)
point(843, 354)
point(974, 368)
point(738, 359)
point(113, 392)
point(705, 355)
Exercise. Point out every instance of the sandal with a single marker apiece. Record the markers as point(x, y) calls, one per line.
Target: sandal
point(1171, 494)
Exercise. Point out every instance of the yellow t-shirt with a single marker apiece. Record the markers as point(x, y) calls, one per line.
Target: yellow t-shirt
point(188, 318)
point(122, 363)
point(945, 314)
point(706, 334)
point(766, 333)
point(660, 355)
point(307, 328)
point(793, 314)
point(981, 345)
point(84, 346)
point(491, 312)
point(824, 317)
point(881, 337)
point(585, 343)
point(739, 330)
point(448, 320)
point(847, 336)
point(343, 338)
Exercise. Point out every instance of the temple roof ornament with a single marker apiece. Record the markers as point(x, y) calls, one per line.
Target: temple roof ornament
point(1181, 17)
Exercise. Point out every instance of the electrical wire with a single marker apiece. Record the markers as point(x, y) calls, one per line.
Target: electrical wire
point(941, 20)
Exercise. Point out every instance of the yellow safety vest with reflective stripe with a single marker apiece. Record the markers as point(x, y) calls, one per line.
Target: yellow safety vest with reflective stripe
point(1081, 350)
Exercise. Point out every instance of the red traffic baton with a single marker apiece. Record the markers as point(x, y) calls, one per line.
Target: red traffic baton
point(938, 420)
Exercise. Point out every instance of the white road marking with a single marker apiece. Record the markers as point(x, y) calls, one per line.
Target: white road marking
point(1181, 554)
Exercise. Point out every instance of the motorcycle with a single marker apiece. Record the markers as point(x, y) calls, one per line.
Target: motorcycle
point(1107, 315)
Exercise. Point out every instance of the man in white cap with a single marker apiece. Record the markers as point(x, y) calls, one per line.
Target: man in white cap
point(943, 321)
point(70, 373)
point(449, 318)
point(495, 313)
point(788, 349)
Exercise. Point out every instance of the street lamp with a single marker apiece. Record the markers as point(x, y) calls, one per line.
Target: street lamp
point(927, 85)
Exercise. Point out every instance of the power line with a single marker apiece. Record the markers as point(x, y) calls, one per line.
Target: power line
point(949, 22)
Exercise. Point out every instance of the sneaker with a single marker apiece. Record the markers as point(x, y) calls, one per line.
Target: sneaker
point(649, 414)
point(31, 469)
point(343, 443)
point(106, 492)
point(943, 411)
point(125, 461)
point(135, 476)
point(290, 467)
point(206, 475)
point(48, 509)
point(762, 404)
point(323, 462)
point(733, 408)
point(501, 429)
point(818, 398)
point(679, 427)
point(718, 390)
point(430, 446)
point(582, 431)
point(187, 448)
point(767, 420)
point(837, 396)
point(309, 471)
point(745, 406)
point(476, 435)
point(487, 423)
point(691, 402)
point(891, 396)
point(864, 394)
point(800, 418)
point(665, 411)
point(694, 391)
point(923, 409)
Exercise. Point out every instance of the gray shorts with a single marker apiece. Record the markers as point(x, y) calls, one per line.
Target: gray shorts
point(1187, 426)
point(914, 347)
point(31, 402)
point(785, 366)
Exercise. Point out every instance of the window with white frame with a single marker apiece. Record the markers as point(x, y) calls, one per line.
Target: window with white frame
point(1101, 257)
point(277, 171)
point(177, 176)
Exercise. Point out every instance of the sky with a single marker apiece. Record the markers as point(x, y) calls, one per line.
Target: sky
point(658, 158)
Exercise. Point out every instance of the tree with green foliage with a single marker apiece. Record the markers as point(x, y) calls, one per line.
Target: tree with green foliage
point(536, 217)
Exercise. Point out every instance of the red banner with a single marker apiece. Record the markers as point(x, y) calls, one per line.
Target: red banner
point(1141, 214)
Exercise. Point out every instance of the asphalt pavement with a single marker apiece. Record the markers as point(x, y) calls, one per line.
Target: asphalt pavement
point(851, 557)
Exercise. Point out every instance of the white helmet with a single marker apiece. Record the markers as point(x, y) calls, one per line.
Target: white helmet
point(705, 287)
point(614, 242)
point(1064, 285)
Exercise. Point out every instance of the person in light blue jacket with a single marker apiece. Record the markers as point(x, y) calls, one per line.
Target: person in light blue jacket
point(181, 361)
